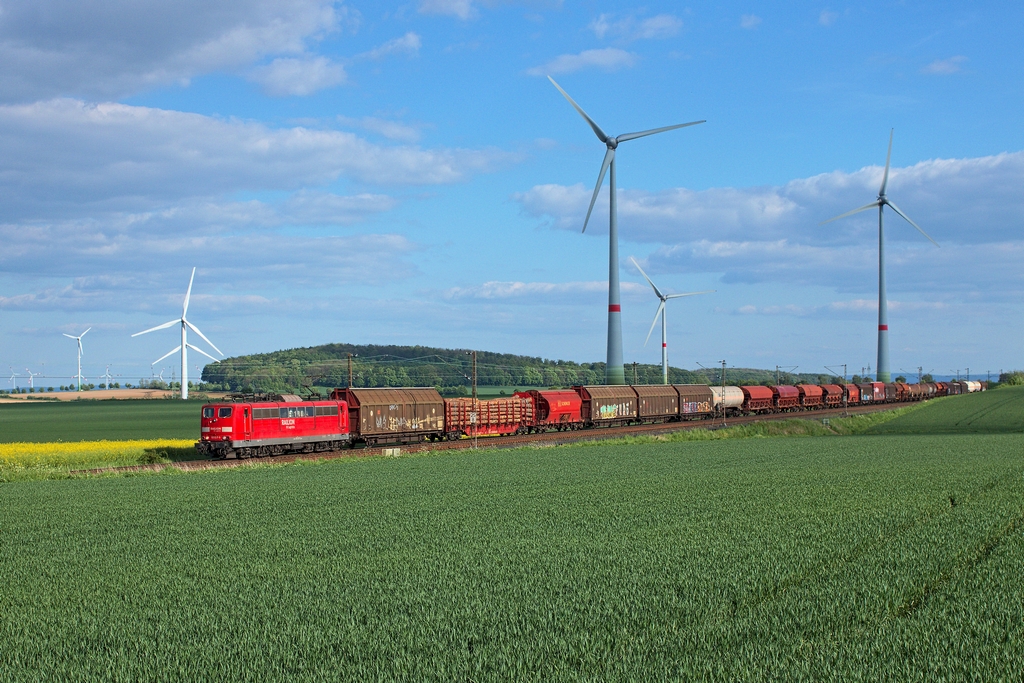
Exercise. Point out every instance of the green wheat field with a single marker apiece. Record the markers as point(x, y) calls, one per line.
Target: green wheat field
point(892, 556)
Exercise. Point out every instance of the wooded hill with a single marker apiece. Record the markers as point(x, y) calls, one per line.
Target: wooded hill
point(449, 370)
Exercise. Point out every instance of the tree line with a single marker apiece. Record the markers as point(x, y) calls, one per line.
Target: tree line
point(448, 370)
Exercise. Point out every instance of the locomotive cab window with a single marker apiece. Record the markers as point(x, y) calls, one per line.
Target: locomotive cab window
point(224, 412)
point(207, 412)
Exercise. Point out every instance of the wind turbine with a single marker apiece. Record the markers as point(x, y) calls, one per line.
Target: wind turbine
point(661, 311)
point(14, 379)
point(614, 372)
point(184, 346)
point(882, 367)
point(108, 376)
point(31, 376)
point(79, 340)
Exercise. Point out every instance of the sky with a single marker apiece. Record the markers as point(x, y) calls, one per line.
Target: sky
point(404, 173)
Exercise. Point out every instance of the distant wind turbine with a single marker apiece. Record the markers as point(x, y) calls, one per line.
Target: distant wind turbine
point(882, 368)
point(79, 340)
point(31, 376)
point(661, 311)
point(184, 346)
point(14, 379)
point(614, 372)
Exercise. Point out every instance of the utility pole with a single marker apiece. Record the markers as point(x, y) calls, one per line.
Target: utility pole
point(350, 369)
point(474, 417)
point(787, 368)
point(846, 394)
point(846, 391)
point(968, 374)
point(723, 394)
point(474, 379)
point(634, 372)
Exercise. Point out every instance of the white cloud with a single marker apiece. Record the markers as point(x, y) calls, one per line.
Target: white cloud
point(298, 76)
point(392, 130)
point(541, 292)
point(408, 44)
point(283, 258)
point(954, 200)
point(750, 21)
point(606, 59)
point(972, 207)
point(827, 18)
point(119, 47)
point(634, 28)
point(944, 67)
point(66, 157)
point(463, 9)
point(322, 208)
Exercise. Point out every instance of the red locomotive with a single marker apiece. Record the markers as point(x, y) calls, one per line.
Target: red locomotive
point(291, 425)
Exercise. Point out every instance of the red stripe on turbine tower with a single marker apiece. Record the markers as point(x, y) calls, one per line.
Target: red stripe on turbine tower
point(614, 308)
point(883, 327)
point(664, 345)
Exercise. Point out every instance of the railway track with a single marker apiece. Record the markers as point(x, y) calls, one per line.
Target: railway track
point(547, 438)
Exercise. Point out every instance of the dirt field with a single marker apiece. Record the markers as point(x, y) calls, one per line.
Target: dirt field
point(94, 395)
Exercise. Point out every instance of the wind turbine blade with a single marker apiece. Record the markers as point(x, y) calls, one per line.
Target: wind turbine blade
point(84, 333)
point(676, 296)
point(188, 293)
point(158, 327)
point(170, 353)
point(850, 213)
point(885, 176)
point(661, 307)
point(608, 157)
point(69, 336)
point(656, 290)
point(633, 136)
point(196, 348)
point(80, 351)
point(907, 219)
point(597, 129)
point(196, 330)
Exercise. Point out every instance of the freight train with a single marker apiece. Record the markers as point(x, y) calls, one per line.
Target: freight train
point(247, 427)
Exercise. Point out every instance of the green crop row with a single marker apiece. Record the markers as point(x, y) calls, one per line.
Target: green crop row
point(869, 558)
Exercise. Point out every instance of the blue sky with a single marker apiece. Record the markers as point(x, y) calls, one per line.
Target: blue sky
point(404, 173)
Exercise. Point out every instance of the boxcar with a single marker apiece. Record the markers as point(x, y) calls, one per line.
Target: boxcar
point(391, 416)
point(891, 393)
point(811, 395)
point(259, 429)
point(757, 399)
point(695, 401)
point(728, 399)
point(902, 391)
point(833, 395)
point(608, 405)
point(852, 394)
point(494, 417)
point(559, 410)
point(657, 402)
point(785, 397)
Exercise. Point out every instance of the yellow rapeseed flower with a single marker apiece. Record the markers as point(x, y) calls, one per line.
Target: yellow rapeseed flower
point(82, 453)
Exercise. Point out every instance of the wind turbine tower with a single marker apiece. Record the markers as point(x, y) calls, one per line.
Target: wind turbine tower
point(614, 372)
point(79, 340)
point(184, 346)
point(882, 366)
point(661, 311)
